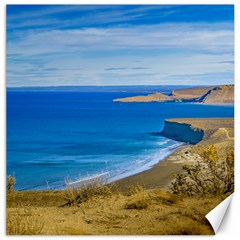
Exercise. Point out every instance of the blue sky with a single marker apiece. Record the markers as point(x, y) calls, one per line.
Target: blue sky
point(66, 45)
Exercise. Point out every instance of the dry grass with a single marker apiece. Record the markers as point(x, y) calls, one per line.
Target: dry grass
point(79, 192)
point(164, 197)
point(133, 189)
point(142, 202)
point(35, 199)
point(11, 181)
point(24, 225)
point(98, 209)
point(183, 228)
point(147, 212)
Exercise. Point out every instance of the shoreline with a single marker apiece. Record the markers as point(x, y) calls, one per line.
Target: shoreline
point(147, 166)
point(100, 176)
point(159, 175)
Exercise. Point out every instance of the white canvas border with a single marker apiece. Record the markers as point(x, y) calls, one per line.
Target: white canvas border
point(230, 227)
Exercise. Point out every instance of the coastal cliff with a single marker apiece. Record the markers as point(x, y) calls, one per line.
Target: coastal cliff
point(182, 132)
point(201, 131)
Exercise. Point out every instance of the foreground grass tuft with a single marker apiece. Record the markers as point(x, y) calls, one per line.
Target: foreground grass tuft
point(142, 202)
point(24, 225)
point(77, 193)
point(11, 181)
point(133, 189)
point(164, 197)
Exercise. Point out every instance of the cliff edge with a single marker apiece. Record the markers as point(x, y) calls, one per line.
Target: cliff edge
point(201, 131)
point(183, 132)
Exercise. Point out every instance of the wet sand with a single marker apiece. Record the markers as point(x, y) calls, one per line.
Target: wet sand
point(160, 175)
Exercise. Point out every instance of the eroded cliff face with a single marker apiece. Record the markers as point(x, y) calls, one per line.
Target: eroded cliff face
point(182, 132)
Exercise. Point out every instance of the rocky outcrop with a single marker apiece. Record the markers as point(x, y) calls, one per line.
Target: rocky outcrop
point(182, 132)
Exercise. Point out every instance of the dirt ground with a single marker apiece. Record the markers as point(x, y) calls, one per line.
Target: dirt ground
point(147, 212)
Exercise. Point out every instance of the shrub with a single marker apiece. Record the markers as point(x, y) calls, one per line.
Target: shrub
point(79, 192)
point(165, 197)
point(24, 225)
point(133, 189)
point(11, 181)
point(138, 204)
point(208, 176)
point(208, 153)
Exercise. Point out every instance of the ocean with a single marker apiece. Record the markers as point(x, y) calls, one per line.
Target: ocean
point(59, 134)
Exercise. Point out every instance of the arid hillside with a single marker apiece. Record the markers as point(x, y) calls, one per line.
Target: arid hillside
point(136, 212)
point(217, 95)
point(155, 97)
point(189, 93)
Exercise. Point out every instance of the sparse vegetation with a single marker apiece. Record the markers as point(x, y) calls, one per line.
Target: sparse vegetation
point(211, 175)
point(164, 197)
point(11, 181)
point(79, 192)
point(24, 225)
point(140, 203)
point(133, 189)
point(146, 212)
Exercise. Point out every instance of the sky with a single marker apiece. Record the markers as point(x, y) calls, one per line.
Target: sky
point(95, 45)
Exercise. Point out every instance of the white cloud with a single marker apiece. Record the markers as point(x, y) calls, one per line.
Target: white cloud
point(212, 37)
point(80, 56)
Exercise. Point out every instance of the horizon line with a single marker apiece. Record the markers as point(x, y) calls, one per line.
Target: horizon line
point(144, 85)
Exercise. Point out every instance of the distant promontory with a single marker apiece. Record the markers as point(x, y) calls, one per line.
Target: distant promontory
point(216, 95)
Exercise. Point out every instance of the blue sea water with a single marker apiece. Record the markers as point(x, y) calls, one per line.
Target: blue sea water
point(54, 135)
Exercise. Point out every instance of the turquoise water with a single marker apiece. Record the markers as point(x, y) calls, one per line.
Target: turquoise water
point(54, 135)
